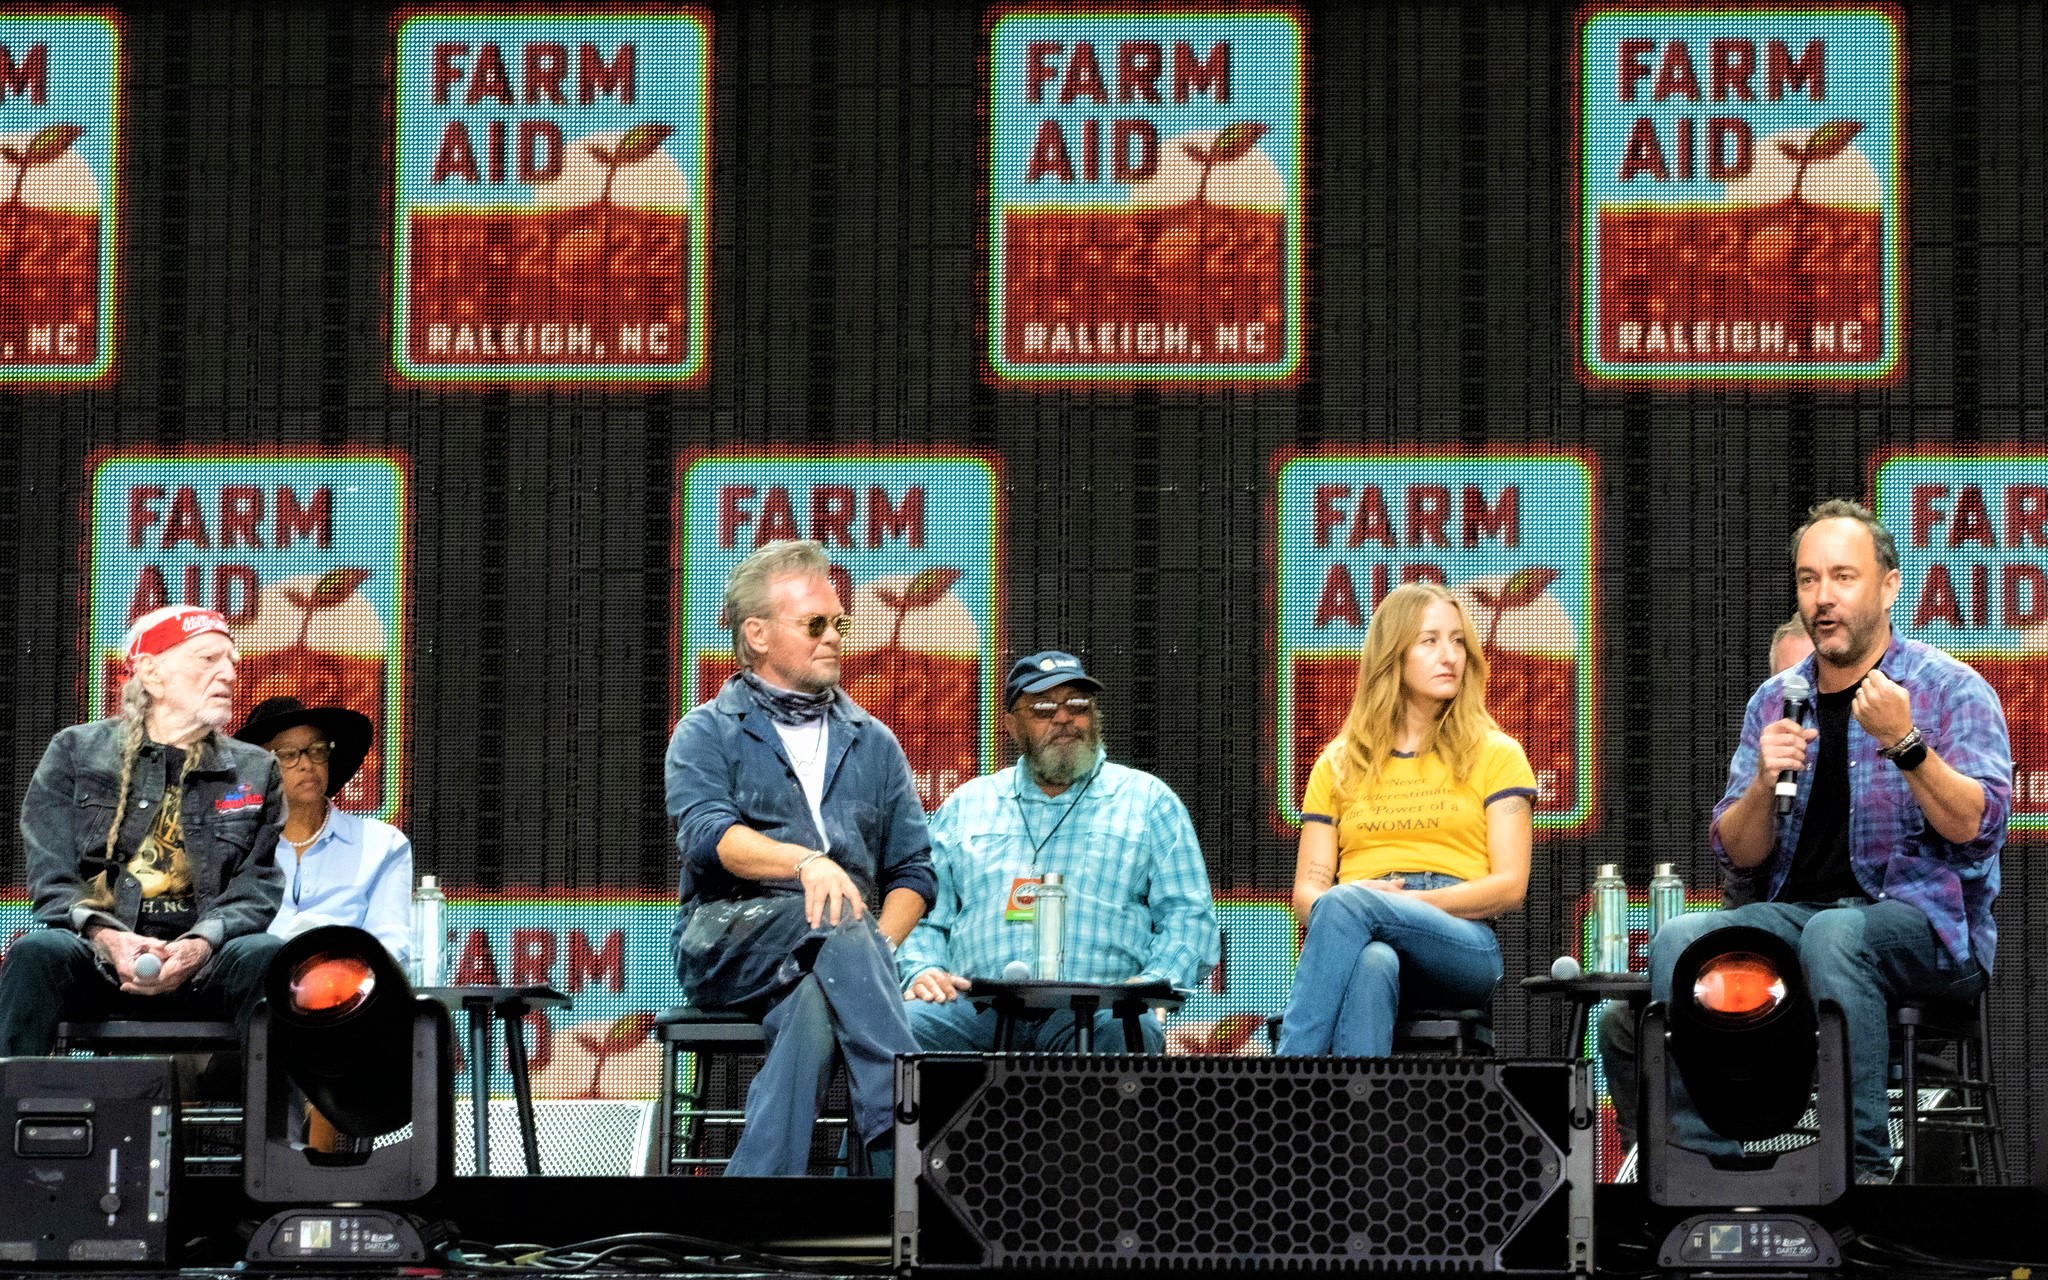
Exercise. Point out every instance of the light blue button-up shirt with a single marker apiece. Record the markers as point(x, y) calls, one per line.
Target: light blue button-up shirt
point(1138, 900)
point(359, 872)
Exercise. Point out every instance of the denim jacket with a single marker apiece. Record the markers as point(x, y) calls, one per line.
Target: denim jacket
point(726, 767)
point(233, 810)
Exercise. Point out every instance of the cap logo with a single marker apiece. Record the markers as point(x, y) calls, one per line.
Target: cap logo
point(1048, 665)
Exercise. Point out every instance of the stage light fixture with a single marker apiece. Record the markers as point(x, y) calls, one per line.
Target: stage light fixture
point(1754, 1050)
point(340, 1028)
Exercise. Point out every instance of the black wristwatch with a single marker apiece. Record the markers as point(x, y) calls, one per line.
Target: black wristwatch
point(1908, 752)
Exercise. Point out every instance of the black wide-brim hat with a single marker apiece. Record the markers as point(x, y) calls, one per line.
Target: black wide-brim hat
point(349, 731)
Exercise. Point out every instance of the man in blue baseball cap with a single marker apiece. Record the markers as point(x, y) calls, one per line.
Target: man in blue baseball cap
point(1139, 907)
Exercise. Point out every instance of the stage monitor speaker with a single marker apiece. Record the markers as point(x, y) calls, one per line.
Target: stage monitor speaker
point(85, 1166)
point(1394, 1164)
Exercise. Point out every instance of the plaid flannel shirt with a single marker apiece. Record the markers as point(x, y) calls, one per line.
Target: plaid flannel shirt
point(1892, 850)
point(1138, 892)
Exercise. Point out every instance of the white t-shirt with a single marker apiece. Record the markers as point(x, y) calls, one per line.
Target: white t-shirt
point(806, 745)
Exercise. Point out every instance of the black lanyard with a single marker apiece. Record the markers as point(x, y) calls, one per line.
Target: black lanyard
point(1038, 846)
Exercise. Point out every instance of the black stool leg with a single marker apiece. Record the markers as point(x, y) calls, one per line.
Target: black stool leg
point(522, 1090)
point(1909, 1066)
point(480, 1082)
point(665, 1143)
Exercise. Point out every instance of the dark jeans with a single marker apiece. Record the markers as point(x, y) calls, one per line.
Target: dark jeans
point(847, 1006)
point(53, 975)
point(1621, 1061)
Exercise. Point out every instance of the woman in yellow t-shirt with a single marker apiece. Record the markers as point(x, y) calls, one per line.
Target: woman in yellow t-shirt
point(1415, 831)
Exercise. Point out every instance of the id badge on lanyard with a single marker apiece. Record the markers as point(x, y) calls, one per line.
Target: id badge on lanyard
point(1022, 906)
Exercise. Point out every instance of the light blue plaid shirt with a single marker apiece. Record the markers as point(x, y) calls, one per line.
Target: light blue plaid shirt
point(1138, 901)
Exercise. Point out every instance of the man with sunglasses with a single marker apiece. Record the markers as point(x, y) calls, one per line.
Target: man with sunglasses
point(1139, 906)
point(804, 861)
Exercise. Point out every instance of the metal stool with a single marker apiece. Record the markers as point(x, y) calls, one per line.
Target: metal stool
point(1915, 1025)
point(728, 1034)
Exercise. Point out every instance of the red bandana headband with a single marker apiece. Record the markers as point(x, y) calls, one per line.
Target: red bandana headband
point(176, 628)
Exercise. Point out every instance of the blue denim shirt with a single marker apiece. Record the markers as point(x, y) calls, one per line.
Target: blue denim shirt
point(726, 766)
point(232, 811)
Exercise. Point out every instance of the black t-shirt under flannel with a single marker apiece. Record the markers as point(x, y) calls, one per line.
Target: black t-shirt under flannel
point(1821, 870)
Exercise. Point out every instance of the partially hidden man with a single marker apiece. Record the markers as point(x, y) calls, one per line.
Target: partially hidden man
point(1884, 872)
point(1139, 907)
point(149, 839)
point(795, 811)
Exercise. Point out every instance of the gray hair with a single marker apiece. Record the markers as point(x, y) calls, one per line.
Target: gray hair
point(1843, 509)
point(747, 586)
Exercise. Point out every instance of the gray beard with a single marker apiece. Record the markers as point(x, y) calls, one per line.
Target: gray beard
point(1065, 763)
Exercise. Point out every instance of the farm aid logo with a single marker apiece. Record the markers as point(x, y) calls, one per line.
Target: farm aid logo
point(1144, 196)
point(1739, 188)
point(550, 197)
point(304, 556)
point(59, 186)
point(1511, 537)
point(914, 548)
point(1972, 534)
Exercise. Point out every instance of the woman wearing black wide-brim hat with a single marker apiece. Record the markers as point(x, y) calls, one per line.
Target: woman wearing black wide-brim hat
point(339, 867)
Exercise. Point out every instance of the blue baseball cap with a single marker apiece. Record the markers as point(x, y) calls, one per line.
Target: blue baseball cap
point(1037, 672)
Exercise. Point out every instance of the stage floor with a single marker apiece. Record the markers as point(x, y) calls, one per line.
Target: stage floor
point(838, 1226)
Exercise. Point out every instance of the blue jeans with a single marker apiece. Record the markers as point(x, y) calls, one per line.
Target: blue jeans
point(955, 1027)
point(1863, 956)
point(1370, 954)
point(847, 1005)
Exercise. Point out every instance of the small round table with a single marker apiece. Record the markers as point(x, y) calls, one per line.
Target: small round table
point(1588, 990)
point(511, 1004)
point(1128, 1001)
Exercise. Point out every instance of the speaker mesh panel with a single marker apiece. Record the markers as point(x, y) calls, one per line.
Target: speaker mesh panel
point(1398, 1163)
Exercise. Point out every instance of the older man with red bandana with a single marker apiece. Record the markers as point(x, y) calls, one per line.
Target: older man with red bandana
point(150, 843)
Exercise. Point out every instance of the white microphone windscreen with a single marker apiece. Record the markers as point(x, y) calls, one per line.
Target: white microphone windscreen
point(1016, 971)
point(1797, 688)
point(147, 967)
point(1565, 969)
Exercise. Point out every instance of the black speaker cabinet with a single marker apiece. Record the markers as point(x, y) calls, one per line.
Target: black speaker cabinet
point(85, 1167)
point(1395, 1164)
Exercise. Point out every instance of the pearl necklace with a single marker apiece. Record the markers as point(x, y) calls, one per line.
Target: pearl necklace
point(303, 845)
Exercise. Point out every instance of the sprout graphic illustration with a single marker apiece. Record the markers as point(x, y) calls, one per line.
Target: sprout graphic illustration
point(49, 143)
point(921, 592)
point(1523, 588)
point(334, 588)
point(1235, 141)
point(608, 1040)
point(635, 145)
point(1824, 143)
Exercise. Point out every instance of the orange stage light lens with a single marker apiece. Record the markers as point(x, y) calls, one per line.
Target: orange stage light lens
point(1738, 983)
point(331, 984)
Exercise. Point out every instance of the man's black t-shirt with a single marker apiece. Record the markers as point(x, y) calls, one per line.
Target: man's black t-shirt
point(168, 908)
point(1821, 871)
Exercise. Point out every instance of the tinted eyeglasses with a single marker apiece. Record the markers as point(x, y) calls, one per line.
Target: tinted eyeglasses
point(1075, 706)
point(814, 625)
point(317, 752)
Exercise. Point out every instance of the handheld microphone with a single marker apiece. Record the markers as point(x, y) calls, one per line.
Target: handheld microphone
point(1797, 692)
point(1016, 971)
point(1566, 969)
point(147, 967)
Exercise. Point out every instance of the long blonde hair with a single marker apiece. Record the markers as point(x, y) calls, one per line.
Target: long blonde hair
point(135, 704)
point(1378, 707)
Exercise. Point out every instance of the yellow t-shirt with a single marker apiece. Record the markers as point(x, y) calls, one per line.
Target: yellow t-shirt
point(1417, 818)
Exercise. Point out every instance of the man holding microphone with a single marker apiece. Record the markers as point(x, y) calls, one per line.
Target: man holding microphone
point(1883, 864)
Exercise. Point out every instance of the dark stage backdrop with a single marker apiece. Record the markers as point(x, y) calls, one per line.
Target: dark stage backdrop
point(527, 617)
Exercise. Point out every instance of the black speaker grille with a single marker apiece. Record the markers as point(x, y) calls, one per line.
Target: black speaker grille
point(1071, 1161)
